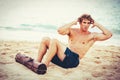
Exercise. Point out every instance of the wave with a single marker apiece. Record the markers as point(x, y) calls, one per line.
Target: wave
point(30, 27)
point(47, 28)
point(116, 31)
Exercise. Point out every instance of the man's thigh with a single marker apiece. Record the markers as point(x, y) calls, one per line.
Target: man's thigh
point(60, 50)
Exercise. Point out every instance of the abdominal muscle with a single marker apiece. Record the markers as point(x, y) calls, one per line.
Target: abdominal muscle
point(80, 48)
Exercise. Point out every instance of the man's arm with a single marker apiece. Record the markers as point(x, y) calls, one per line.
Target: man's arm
point(66, 28)
point(106, 34)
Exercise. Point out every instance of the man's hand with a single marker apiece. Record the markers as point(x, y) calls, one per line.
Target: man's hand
point(66, 28)
point(95, 24)
point(106, 34)
point(74, 22)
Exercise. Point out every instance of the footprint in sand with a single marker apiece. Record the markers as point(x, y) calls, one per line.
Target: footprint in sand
point(118, 70)
point(98, 73)
point(97, 62)
point(3, 75)
point(3, 53)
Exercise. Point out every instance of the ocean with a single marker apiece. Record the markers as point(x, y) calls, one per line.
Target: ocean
point(107, 12)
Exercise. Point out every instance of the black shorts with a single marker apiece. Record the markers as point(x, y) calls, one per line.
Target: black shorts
point(71, 59)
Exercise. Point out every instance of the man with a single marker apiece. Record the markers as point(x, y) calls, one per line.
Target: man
point(80, 40)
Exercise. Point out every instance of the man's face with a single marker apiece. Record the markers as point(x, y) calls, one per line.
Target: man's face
point(85, 25)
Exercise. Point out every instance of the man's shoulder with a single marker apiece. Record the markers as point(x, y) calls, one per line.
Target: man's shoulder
point(74, 29)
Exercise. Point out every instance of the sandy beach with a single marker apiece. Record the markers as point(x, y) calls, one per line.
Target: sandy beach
point(100, 63)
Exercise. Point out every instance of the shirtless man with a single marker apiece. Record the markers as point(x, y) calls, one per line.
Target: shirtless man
point(80, 40)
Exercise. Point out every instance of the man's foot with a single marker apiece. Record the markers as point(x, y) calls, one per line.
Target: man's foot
point(42, 69)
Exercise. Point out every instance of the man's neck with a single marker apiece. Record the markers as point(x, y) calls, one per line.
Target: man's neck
point(84, 32)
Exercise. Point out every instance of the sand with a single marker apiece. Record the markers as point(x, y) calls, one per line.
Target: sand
point(100, 63)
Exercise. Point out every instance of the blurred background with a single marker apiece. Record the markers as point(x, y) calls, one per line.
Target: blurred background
point(31, 20)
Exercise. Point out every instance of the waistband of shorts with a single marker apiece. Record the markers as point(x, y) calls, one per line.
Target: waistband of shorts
point(75, 54)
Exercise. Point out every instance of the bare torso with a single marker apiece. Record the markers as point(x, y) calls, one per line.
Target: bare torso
point(80, 42)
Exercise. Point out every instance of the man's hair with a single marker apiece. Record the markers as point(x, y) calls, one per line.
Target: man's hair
point(86, 16)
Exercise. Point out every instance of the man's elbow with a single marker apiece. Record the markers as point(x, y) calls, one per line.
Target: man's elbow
point(61, 32)
point(109, 35)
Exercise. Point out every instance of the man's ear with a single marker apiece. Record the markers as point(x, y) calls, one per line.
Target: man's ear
point(92, 26)
point(92, 21)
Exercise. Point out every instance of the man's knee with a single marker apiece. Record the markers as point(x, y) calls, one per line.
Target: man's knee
point(45, 40)
point(55, 41)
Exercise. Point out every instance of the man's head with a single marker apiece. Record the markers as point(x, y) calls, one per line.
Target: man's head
point(85, 20)
point(85, 16)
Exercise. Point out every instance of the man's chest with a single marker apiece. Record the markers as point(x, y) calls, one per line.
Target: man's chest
point(83, 39)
